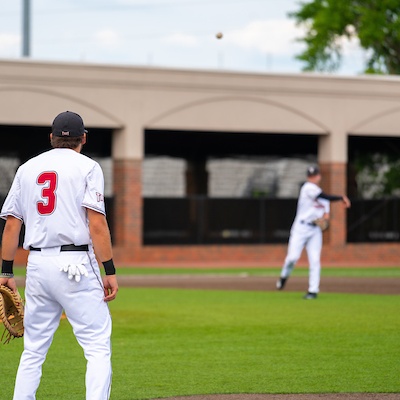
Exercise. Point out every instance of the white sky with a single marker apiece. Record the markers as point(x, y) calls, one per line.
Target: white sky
point(258, 35)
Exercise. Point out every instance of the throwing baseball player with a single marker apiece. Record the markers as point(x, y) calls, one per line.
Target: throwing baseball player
point(58, 195)
point(312, 214)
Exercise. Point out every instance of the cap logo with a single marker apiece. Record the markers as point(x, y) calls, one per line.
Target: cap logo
point(64, 133)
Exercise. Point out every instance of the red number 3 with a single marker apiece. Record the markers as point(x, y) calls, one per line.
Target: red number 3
point(48, 193)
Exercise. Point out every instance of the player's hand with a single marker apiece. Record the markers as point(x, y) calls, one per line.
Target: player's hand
point(9, 282)
point(110, 287)
point(346, 201)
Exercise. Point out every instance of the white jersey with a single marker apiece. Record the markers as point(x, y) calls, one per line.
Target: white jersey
point(309, 207)
point(50, 194)
point(327, 205)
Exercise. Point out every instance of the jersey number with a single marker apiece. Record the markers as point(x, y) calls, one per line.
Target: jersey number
point(48, 193)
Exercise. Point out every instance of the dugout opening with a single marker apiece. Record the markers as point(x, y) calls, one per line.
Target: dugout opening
point(222, 187)
point(374, 187)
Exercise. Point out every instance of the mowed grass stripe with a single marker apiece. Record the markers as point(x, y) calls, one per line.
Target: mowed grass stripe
point(169, 342)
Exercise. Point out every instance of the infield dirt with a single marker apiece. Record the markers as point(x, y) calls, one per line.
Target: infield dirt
point(260, 283)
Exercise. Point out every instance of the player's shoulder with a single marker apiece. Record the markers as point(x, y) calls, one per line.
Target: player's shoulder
point(84, 158)
point(310, 189)
point(310, 186)
point(57, 157)
point(71, 156)
point(306, 186)
point(34, 160)
point(85, 163)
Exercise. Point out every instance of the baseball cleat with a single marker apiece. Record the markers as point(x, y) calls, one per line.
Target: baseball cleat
point(280, 284)
point(310, 296)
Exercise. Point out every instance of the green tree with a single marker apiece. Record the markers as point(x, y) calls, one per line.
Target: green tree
point(377, 175)
point(376, 23)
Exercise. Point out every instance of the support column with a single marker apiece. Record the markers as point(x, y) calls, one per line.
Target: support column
point(334, 182)
point(128, 203)
point(332, 154)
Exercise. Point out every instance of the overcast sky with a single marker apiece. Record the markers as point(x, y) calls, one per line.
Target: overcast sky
point(258, 36)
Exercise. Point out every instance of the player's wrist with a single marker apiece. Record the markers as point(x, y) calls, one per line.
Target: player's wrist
point(109, 267)
point(7, 270)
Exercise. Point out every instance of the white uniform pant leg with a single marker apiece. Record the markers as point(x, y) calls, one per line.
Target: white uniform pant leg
point(90, 318)
point(314, 247)
point(297, 241)
point(41, 320)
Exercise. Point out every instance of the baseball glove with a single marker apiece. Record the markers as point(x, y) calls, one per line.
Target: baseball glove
point(11, 314)
point(322, 223)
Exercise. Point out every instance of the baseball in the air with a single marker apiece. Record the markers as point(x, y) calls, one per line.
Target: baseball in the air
point(219, 35)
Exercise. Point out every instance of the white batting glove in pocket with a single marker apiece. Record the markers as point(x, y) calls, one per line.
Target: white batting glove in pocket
point(75, 271)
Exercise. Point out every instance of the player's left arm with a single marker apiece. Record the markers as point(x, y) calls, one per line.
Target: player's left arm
point(9, 247)
point(331, 197)
point(101, 238)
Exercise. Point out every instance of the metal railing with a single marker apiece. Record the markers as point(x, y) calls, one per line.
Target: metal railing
point(374, 220)
point(202, 220)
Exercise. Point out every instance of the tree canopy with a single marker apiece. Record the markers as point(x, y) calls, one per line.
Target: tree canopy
point(377, 175)
point(376, 23)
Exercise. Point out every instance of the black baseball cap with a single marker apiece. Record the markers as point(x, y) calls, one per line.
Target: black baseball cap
point(68, 124)
point(313, 170)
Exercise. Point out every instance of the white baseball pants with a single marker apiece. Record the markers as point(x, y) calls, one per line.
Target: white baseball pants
point(49, 291)
point(309, 237)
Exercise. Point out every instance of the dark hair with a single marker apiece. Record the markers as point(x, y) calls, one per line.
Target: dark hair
point(58, 142)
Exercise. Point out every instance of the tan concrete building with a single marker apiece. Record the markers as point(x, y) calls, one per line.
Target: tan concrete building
point(128, 101)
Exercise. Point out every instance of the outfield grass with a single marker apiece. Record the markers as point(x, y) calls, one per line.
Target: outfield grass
point(169, 342)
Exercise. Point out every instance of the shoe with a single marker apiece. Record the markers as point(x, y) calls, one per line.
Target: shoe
point(280, 284)
point(310, 296)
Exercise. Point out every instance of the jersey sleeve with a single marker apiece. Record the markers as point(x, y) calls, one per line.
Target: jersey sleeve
point(94, 192)
point(12, 203)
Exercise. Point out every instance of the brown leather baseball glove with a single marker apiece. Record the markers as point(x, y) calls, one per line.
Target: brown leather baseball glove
point(11, 314)
point(322, 223)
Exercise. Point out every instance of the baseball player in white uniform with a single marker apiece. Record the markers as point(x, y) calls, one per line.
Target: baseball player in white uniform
point(58, 195)
point(312, 204)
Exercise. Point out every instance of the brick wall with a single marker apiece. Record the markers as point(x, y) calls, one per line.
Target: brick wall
point(334, 182)
point(127, 204)
point(128, 248)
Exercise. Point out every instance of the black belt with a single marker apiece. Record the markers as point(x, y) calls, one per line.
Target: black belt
point(65, 247)
point(308, 223)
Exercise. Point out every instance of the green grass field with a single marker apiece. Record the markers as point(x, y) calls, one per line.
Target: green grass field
point(169, 342)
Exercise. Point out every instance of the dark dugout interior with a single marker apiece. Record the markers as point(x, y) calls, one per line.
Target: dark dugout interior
point(199, 219)
point(189, 144)
point(25, 142)
point(360, 147)
point(373, 219)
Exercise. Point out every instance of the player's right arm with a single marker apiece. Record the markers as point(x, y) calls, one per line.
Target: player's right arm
point(9, 247)
point(101, 239)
